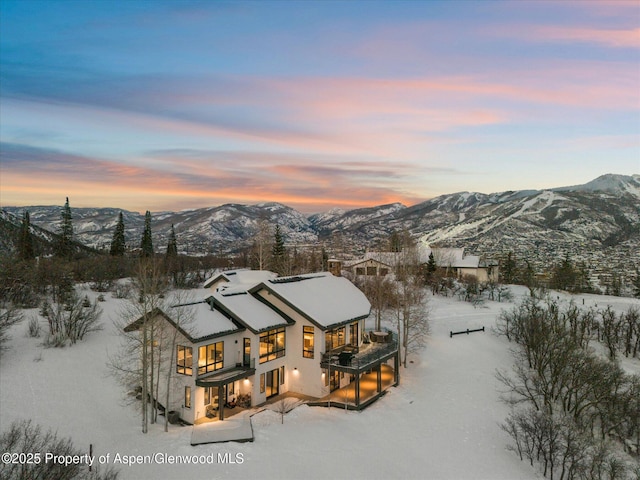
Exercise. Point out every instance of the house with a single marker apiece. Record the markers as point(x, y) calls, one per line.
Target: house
point(256, 336)
point(451, 260)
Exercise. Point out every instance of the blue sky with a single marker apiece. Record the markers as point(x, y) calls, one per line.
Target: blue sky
point(166, 105)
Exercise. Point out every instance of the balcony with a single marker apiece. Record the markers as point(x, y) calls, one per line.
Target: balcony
point(354, 359)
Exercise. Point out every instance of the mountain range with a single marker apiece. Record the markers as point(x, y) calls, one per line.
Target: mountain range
point(593, 221)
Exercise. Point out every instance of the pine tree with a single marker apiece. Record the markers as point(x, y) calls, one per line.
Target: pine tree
point(278, 252)
point(146, 244)
point(65, 242)
point(564, 275)
point(431, 265)
point(509, 269)
point(172, 246)
point(25, 242)
point(636, 284)
point(118, 244)
point(395, 242)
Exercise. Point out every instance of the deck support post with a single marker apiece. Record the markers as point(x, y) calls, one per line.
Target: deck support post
point(220, 402)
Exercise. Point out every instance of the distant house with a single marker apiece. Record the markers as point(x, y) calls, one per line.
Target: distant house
point(256, 336)
point(370, 266)
point(451, 260)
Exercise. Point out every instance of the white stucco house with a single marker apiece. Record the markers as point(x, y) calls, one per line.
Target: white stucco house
point(255, 336)
point(453, 260)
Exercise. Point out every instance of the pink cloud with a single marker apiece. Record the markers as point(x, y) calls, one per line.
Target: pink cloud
point(617, 38)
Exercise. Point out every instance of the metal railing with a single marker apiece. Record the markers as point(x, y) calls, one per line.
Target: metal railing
point(359, 359)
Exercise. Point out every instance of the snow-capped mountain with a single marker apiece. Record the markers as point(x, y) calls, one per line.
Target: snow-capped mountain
point(221, 229)
point(595, 221)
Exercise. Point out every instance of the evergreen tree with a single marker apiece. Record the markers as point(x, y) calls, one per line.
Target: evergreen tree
point(395, 242)
point(509, 269)
point(564, 275)
point(117, 244)
point(172, 246)
point(278, 252)
point(146, 244)
point(431, 265)
point(65, 242)
point(636, 284)
point(25, 242)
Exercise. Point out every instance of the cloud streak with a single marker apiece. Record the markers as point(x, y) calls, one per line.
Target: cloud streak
point(310, 105)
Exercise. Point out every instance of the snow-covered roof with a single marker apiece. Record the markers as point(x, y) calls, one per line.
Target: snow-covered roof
point(320, 297)
point(243, 278)
point(206, 321)
point(444, 257)
point(249, 310)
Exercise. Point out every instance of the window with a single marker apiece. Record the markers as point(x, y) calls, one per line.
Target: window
point(359, 270)
point(187, 397)
point(353, 334)
point(210, 394)
point(262, 383)
point(272, 344)
point(184, 360)
point(307, 342)
point(210, 358)
point(384, 271)
point(246, 360)
point(334, 339)
point(372, 271)
point(282, 375)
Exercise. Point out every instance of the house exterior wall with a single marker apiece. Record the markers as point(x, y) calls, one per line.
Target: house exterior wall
point(370, 267)
point(308, 379)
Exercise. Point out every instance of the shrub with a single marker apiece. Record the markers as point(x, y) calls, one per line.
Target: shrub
point(34, 327)
point(23, 437)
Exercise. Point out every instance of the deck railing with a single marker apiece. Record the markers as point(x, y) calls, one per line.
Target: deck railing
point(358, 358)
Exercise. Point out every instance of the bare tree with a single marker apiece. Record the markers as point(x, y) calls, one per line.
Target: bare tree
point(262, 245)
point(284, 406)
point(412, 315)
point(135, 364)
point(9, 316)
point(182, 316)
point(25, 438)
point(71, 320)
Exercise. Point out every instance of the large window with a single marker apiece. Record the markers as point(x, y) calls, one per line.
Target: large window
point(272, 344)
point(187, 397)
point(334, 338)
point(353, 334)
point(307, 342)
point(184, 360)
point(210, 357)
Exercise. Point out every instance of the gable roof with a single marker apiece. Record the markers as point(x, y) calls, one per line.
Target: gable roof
point(201, 321)
point(240, 277)
point(321, 298)
point(249, 311)
point(355, 263)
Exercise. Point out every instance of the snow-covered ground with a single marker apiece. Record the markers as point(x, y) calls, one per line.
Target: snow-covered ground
point(442, 422)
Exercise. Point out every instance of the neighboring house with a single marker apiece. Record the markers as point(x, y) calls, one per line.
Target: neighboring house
point(257, 336)
point(452, 260)
point(370, 266)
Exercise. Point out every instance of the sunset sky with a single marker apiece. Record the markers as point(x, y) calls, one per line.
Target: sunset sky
point(169, 105)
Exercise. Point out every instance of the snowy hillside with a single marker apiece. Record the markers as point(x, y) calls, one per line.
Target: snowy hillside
point(597, 223)
point(440, 423)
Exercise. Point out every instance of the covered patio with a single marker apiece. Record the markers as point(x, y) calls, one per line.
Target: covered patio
point(368, 368)
point(219, 381)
